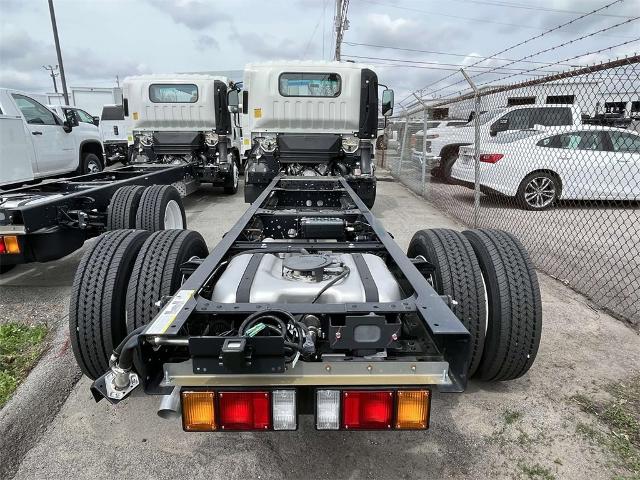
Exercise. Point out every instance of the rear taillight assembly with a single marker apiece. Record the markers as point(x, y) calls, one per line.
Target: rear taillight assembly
point(373, 409)
point(9, 244)
point(208, 411)
point(490, 157)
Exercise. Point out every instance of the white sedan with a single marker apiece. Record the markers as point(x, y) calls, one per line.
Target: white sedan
point(540, 167)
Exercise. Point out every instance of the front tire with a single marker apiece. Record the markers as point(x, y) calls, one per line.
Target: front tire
point(457, 274)
point(156, 272)
point(539, 191)
point(97, 307)
point(232, 183)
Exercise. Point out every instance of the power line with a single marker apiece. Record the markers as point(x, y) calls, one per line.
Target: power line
point(458, 17)
point(434, 52)
point(564, 44)
point(315, 29)
point(458, 65)
point(524, 42)
point(537, 8)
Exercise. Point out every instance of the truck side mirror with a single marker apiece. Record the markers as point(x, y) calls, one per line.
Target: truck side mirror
point(387, 102)
point(233, 100)
point(67, 126)
point(96, 121)
point(501, 125)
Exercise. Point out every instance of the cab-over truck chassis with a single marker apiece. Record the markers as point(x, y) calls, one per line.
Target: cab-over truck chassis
point(306, 306)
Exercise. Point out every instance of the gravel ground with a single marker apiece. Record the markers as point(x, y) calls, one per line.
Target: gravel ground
point(506, 430)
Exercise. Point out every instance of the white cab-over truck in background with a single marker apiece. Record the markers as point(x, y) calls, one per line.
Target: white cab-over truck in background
point(443, 143)
point(35, 143)
point(114, 129)
point(312, 119)
point(185, 118)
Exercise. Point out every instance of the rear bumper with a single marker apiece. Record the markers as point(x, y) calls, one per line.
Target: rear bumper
point(43, 246)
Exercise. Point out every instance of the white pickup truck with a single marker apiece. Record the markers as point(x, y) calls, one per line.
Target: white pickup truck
point(443, 143)
point(35, 143)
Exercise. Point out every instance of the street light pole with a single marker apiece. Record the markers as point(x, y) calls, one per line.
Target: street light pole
point(57, 42)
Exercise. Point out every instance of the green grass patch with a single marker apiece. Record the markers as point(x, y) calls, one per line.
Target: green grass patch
point(621, 418)
point(511, 416)
point(536, 472)
point(20, 347)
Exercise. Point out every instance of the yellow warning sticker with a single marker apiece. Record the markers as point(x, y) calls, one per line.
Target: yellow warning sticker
point(257, 113)
point(168, 314)
point(135, 115)
point(246, 141)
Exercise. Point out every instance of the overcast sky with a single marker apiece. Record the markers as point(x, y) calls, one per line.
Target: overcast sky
point(104, 38)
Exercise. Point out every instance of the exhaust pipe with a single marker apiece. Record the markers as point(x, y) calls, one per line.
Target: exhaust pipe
point(170, 405)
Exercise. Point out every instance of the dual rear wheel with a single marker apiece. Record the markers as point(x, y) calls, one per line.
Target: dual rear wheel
point(496, 295)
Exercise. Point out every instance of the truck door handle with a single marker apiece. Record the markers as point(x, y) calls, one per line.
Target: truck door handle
point(36, 133)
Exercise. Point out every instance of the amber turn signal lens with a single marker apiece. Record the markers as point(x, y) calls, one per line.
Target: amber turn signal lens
point(11, 244)
point(198, 411)
point(413, 409)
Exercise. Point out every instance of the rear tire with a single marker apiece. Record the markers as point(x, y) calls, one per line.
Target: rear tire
point(90, 163)
point(161, 208)
point(97, 307)
point(122, 210)
point(515, 308)
point(458, 275)
point(156, 272)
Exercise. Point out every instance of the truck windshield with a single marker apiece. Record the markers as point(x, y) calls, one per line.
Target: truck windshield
point(310, 84)
point(178, 93)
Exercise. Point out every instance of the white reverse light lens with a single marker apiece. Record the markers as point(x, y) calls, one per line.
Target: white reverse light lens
point(268, 143)
point(284, 409)
point(350, 144)
point(211, 139)
point(328, 409)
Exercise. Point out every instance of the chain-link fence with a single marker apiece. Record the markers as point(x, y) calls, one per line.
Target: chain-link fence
point(557, 164)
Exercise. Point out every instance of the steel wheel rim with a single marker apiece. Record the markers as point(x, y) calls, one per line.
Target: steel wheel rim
point(93, 166)
point(173, 216)
point(540, 192)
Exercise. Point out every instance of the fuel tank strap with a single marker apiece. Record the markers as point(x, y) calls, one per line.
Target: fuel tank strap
point(370, 287)
point(243, 293)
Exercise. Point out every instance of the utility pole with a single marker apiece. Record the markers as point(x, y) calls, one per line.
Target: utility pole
point(342, 24)
point(57, 42)
point(52, 72)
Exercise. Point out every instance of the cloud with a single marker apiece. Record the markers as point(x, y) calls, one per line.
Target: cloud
point(267, 47)
point(22, 58)
point(206, 41)
point(194, 14)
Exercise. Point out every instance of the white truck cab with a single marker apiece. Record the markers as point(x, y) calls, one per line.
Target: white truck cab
point(36, 143)
point(311, 118)
point(188, 118)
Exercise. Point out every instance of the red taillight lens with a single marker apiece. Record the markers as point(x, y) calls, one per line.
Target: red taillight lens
point(244, 411)
point(490, 157)
point(3, 249)
point(367, 410)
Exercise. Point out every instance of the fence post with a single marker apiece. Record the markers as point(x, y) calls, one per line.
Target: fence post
point(476, 148)
point(425, 117)
point(404, 142)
